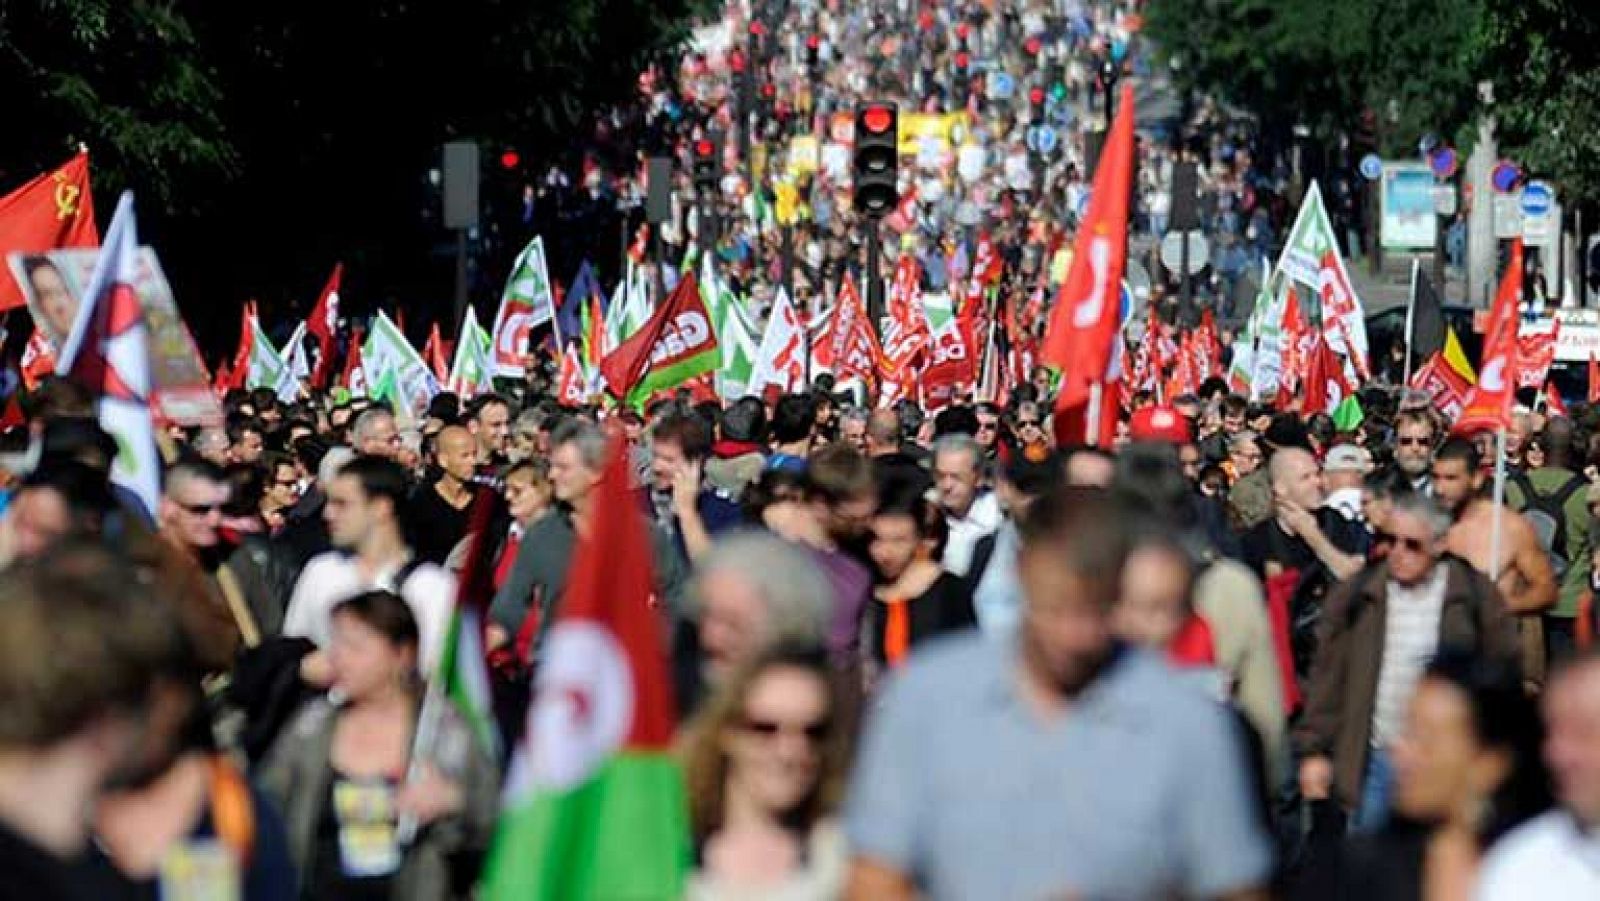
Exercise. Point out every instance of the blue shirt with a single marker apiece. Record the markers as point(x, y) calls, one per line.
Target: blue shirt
point(1139, 790)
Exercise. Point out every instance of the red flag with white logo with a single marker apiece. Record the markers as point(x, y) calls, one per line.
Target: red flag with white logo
point(323, 324)
point(1488, 404)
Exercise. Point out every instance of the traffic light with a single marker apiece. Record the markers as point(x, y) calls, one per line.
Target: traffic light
point(877, 159)
point(813, 52)
point(1036, 104)
point(707, 167)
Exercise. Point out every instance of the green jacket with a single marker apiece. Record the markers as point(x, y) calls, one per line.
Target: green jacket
point(1547, 480)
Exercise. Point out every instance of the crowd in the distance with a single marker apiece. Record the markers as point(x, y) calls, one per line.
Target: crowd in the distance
point(1239, 652)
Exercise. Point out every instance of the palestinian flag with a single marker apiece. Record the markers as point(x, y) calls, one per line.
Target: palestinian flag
point(594, 802)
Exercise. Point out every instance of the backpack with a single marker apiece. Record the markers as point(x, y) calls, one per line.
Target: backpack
point(1546, 513)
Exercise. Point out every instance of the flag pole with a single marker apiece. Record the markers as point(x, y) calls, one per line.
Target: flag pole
point(1091, 426)
point(1499, 502)
point(1411, 314)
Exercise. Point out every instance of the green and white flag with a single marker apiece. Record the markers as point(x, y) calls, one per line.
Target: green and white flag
point(525, 304)
point(389, 356)
point(735, 334)
point(296, 367)
point(470, 371)
point(1311, 257)
point(267, 369)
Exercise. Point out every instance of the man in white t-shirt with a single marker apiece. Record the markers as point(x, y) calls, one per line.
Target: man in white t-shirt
point(1557, 856)
point(363, 513)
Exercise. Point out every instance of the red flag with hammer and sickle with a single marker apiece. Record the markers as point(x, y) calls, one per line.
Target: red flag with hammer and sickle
point(54, 210)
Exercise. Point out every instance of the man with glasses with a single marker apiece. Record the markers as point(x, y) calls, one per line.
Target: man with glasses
point(1029, 427)
point(1413, 448)
point(374, 434)
point(988, 433)
point(1377, 634)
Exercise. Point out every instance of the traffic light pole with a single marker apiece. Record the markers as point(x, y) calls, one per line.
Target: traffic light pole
point(874, 281)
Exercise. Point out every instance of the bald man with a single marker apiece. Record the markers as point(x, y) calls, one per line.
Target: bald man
point(439, 513)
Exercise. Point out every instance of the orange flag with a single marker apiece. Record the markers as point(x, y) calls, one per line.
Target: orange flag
point(1594, 379)
point(54, 210)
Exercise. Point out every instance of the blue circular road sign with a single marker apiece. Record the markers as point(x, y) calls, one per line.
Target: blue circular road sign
point(1537, 198)
point(1505, 176)
point(1371, 167)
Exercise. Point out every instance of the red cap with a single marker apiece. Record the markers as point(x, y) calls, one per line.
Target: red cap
point(1163, 424)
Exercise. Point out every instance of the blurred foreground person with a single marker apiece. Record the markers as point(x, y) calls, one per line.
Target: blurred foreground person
point(764, 765)
point(81, 647)
point(933, 810)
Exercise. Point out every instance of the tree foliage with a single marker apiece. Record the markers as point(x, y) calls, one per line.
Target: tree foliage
point(267, 140)
point(1540, 57)
point(1401, 68)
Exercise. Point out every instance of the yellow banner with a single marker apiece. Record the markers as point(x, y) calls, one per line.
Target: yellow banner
point(949, 129)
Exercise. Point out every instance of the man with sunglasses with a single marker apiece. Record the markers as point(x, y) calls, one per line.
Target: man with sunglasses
point(1377, 633)
point(1414, 438)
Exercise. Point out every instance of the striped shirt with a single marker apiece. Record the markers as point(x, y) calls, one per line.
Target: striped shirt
point(1410, 640)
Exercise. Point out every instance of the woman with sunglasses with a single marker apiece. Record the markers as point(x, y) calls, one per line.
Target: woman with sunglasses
point(764, 764)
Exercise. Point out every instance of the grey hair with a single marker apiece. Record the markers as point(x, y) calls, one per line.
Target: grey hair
point(528, 423)
point(333, 461)
point(1241, 438)
point(1425, 508)
point(959, 442)
point(587, 437)
point(854, 414)
point(798, 598)
point(362, 428)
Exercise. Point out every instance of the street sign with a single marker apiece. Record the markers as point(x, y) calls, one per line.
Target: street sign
point(1507, 216)
point(1042, 139)
point(1443, 162)
point(1444, 200)
point(1537, 198)
point(1505, 176)
point(1002, 85)
point(1371, 167)
point(1172, 251)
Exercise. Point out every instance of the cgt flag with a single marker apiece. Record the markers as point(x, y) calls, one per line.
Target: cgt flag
point(1082, 336)
point(54, 210)
point(323, 324)
point(674, 345)
point(1488, 404)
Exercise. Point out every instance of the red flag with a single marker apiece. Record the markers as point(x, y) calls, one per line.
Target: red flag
point(53, 210)
point(12, 417)
point(570, 383)
point(324, 325)
point(1488, 404)
point(1553, 404)
point(1072, 425)
point(433, 353)
point(38, 359)
point(849, 345)
point(1594, 379)
point(675, 344)
point(1324, 385)
point(222, 380)
point(1536, 353)
point(1083, 326)
point(1445, 387)
point(247, 340)
point(354, 377)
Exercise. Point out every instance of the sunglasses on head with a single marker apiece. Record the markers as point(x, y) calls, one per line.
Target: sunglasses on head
point(814, 732)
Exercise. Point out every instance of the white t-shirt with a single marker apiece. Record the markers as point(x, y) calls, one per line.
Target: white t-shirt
point(983, 517)
point(1411, 639)
point(333, 577)
point(1548, 858)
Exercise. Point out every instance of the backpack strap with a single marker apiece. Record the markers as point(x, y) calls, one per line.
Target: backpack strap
point(1567, 490)
point(232, 811)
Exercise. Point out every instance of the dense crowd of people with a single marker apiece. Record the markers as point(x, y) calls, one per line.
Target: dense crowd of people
point(938, 655)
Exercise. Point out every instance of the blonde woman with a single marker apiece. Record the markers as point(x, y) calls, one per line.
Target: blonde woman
point(765, 762)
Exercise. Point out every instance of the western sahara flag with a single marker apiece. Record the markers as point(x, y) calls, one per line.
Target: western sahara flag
point(594, 805)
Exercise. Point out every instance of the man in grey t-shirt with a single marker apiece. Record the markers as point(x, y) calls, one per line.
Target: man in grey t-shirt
point(1058, 764)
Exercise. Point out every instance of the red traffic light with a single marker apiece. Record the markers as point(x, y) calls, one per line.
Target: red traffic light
point(962, 30)
point(510, 159)
point(1032, 46)
point(962, 60)
point(1036, 96)
point(877, 119)
point(757, 29)
point(813, 42)
point(704, 148)
point(767, 90)
point(736, 61)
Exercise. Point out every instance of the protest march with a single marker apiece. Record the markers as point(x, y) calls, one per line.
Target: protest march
point(924, 449)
